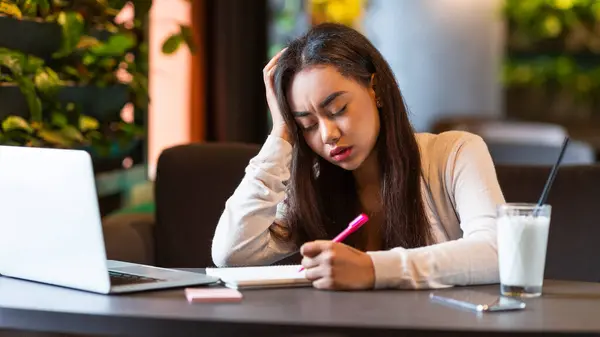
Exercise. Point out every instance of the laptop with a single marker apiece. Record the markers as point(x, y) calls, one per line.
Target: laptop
point(51, 230)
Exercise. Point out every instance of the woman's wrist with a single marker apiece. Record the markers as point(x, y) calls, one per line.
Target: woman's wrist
point(283, 133)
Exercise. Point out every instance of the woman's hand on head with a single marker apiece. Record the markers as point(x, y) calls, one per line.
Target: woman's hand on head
point(336, 266)
point(279, 127)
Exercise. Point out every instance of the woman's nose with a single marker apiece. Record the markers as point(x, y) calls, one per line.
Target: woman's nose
point(330, 133)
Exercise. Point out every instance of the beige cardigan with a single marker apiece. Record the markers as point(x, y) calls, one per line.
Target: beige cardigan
point(461, 195)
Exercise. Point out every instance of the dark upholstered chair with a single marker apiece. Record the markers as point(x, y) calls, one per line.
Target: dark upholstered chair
point(192, 184)
point(194, 181)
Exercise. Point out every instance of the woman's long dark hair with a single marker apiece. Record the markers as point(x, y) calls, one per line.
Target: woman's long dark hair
point(321, 197)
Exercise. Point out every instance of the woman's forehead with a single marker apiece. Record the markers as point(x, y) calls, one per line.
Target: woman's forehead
point(316, 83)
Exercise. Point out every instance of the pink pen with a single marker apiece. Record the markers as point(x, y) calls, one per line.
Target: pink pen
point(352, 227)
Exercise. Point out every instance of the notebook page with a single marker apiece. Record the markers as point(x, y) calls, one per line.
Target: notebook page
point(265, 275)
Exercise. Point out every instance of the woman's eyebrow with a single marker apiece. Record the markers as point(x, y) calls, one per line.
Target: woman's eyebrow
point(330, 99)
point(301, 113)
point(322, 105)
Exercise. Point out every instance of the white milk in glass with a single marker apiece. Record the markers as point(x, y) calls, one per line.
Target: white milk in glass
point(522, 242)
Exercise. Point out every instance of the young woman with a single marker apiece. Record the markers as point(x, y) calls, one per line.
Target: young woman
point(341, 144)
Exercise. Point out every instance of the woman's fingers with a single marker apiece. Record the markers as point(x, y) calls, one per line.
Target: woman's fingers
point(321, 277)
point(312, 262)
point(318, 271)
point(314, 248)
point(325, 283)
point(272, 62)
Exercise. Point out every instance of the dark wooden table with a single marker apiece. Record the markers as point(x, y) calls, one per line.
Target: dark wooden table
point(566, 307)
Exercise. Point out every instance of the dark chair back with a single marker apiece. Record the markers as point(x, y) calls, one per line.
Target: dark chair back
point(573, 250)
point(192, 185)
point(506, 153)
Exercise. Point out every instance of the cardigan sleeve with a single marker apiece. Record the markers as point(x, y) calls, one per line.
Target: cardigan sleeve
point(242, 236)
point(471, 259)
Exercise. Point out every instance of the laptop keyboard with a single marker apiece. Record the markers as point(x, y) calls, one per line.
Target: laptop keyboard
point(117, 279)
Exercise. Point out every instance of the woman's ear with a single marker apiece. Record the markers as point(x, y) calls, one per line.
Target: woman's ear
point(372, 86)
point(373, 91)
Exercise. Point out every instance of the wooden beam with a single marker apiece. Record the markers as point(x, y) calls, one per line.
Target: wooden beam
point(198, 72)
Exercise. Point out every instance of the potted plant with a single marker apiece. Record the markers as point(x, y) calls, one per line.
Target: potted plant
point(68, 69)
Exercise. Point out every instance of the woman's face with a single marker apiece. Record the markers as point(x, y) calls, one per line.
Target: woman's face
point(338, 116)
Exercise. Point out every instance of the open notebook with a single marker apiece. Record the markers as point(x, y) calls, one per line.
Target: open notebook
point(260, 277)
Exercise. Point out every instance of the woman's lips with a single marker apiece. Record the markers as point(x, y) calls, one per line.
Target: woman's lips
point(341, 153)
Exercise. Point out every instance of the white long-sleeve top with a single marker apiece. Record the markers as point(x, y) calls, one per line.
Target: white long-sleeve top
point(460, 192)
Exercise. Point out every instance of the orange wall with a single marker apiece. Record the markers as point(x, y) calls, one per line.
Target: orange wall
point(169, 110)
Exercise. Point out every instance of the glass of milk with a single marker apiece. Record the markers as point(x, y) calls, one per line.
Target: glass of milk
point(522, 242)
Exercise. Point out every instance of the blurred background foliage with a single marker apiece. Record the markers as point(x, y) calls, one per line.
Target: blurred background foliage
point(553, 52)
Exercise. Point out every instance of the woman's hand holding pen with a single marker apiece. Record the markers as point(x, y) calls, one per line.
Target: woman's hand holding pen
point(336, 266)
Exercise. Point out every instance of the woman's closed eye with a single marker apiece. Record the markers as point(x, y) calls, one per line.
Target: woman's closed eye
point(307, 124)
point(340, 111)
point(309, 127)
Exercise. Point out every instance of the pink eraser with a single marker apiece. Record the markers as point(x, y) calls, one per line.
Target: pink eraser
point(212, 295)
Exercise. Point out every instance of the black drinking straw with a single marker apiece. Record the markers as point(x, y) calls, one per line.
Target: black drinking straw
point(550, 180)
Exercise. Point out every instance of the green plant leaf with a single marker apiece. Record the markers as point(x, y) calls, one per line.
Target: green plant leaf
point(51, 17)
point(139, 86)
point(34, 103)
point(37, 125)
point(70, 70)
point(44, 7)
point(144, 47)
point(106, 9)
point(72, 25)
point(34, 142)
point(551, 26)
point(12, 123)
point(108, 63)
point(17, 137)
point(60, 3)
point(12, 60)
point(87, 123)
point(55, 137)
point(116, 45)
point(59, 119)
point(89, 59)
point(111, 28)
point(188, 38)
point(10, 9)
point(172, 43)
point(563, 4)
point(29, 8)
point(94, 136)
point(47, 81)
point(71, 132)
point(131, 129)
point(86, 42)
point(70, 107)
point(32, 64)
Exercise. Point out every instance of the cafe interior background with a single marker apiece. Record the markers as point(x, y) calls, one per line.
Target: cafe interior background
point(126, 80)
